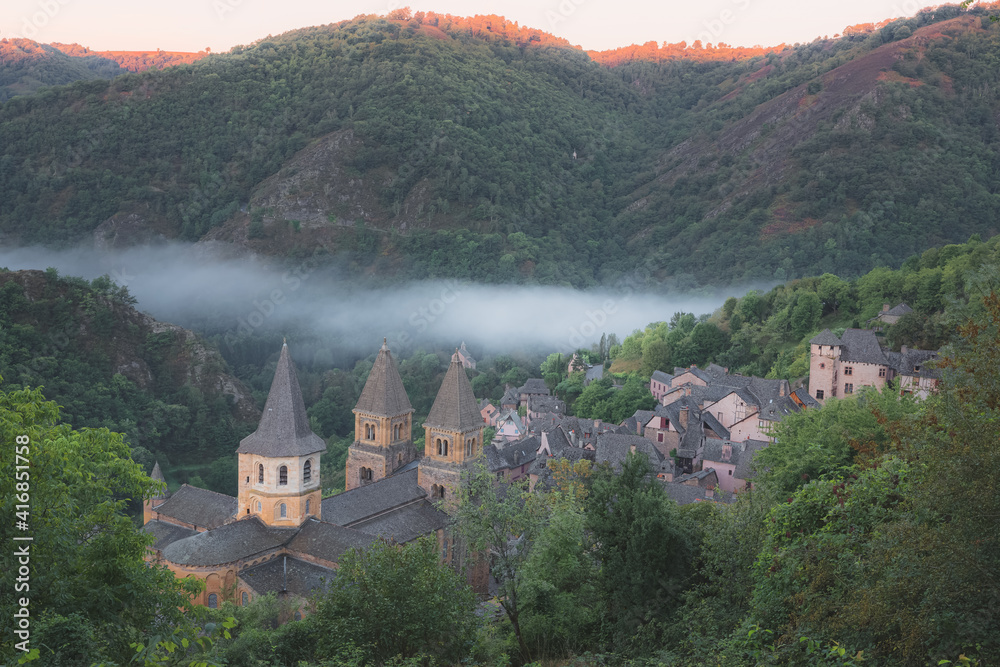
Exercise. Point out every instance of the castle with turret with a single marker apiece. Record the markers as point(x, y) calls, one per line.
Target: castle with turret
point(279, 534)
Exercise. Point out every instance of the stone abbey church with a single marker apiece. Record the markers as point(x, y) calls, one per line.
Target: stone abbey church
point(279, 534)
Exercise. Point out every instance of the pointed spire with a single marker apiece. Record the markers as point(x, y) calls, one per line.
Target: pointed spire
point(157, 475)
point(455, 407)
point(384, 395)
point(284, 427)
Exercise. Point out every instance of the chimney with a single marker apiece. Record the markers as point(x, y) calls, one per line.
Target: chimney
point(597, 424)
point(727, 452)
point(687, 390)
point(781, 390)
point(902, 349)
point(709, 493)
point(885, 308)
point(631, 448)
point(683, 418)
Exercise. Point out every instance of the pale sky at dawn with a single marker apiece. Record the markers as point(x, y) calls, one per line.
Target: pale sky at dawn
point(192, 25)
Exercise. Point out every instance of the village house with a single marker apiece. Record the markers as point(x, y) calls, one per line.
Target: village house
point(509, 427)
point(840, 365)
point(489, 412)
point(279, 535)
point(888, 316)
point(467, 359)
point(532, 387)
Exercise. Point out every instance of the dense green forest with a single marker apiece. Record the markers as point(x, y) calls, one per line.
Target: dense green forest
point(432, 146)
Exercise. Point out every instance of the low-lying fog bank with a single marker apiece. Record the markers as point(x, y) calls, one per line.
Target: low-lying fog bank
point(195, 287)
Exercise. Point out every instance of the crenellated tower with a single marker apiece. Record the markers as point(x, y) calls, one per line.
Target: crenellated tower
point(279, 462)
point(383, 425)
point(453, 434)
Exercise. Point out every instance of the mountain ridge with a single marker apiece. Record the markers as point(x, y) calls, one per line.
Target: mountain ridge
point(486, 144)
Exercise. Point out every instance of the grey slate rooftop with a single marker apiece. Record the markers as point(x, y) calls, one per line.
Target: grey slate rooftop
point(351, 506)
point(199, 507)
point(455, 406)
point(321, 539)
point(862, 346)
point(227, 544)
point(534, 386)
point(384, 395)
point(660, 376)
point(166, 533)
point(284, 427)
point(301, 578)
point(826, 337)
point(405, 523)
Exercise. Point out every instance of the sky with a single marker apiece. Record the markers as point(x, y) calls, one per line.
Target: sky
point(193, 25)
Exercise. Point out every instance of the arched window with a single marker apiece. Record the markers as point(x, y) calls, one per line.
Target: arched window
point(298, 616)
point(213, 601)
point(258, 506)
point(246, 599)
point(283, 475)
point(440, 448)
point(284, 511)
point(445, 442)
point(437, 492)
point(260, 473)
point(307, 505)
point(307, 471)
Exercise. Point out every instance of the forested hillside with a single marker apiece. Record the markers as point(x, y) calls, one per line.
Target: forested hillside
point(110, 366)
point(430, 145)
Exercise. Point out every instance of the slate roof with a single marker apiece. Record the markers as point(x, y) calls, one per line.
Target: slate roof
point(638, 421)
point(898, 310)
point(744, 468)
point(484, 403)
point(614, 448)
point(301, 578)
point(534, 386)
point(284, 427)
point(455, 407)
point(862, 346)
point(712, 423)
point(541, 403)
point(157, 475)
point(510, 455)
point(406, 523)
point(807, 401)
point(683, 494)
point(384, 395)
point(351, 506)
point(199, 507)
point(826, 337)
point(660, 376)
point(594, 373)
point(322, 539)
point(905, 363)
point(227, 544)
point(166, 533)
point(510, 397)
point(776, 410)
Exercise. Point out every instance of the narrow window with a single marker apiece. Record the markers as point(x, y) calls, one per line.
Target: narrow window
point(440, 448)
point(260, 473)
point(446, 448)
point(213, 601)
point(284, 511)
point(307, 505)
point(283, 475)
point(848, 388)
point(258, 506)
point(307, 470)
point(246, 599)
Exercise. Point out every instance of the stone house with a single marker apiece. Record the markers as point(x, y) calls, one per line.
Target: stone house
point(888, 316)
point(840, 365)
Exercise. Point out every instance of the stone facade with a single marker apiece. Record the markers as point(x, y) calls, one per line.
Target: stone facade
point(263, 490)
